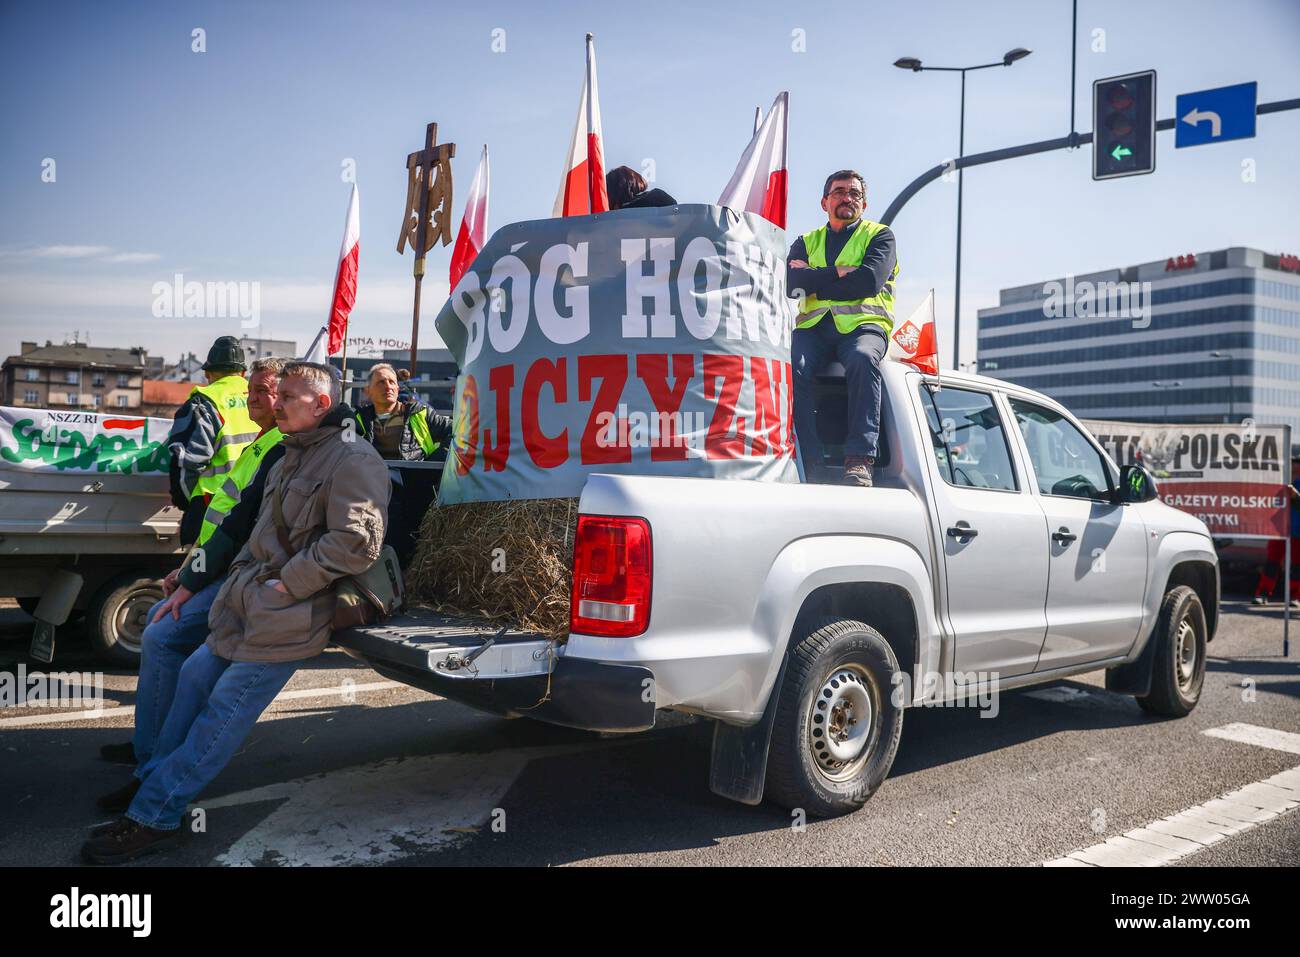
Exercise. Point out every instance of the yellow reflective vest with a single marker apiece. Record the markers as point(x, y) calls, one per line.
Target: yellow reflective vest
point(848, 313)
point(229, 395)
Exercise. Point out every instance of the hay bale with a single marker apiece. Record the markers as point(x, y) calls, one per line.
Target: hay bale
point(458, 570)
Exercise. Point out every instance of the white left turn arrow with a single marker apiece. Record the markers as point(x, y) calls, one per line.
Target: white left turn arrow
point(1196, 116)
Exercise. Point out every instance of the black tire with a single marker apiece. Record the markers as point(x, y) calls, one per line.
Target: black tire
point(801, 772)
point(1178, 670)
point(116, 616)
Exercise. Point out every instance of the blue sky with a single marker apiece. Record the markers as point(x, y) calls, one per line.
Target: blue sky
point(225, 165)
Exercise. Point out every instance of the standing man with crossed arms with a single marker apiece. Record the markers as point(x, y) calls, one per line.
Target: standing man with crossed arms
point(844, 275)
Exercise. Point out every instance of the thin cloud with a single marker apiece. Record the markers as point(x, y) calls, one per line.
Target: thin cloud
point(103, 254)
point(70, 252)
point(132, 258)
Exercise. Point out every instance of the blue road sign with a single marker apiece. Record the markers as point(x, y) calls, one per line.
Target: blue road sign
point(1214, 116)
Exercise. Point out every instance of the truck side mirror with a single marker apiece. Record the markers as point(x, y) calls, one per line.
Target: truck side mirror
point(1136, 485)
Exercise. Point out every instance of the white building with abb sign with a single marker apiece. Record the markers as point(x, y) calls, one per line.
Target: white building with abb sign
point(1191, 337)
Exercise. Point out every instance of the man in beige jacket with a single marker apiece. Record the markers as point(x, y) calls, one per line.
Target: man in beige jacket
point(275, 610)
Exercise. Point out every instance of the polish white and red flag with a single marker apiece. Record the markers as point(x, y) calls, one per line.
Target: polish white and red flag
point(760, 183)
point(473, 226)
point(331, 336)
point(915, 341)
point(582, 190)
point(345, 278)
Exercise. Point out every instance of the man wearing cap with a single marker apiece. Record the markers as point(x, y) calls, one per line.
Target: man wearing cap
point(208, 434)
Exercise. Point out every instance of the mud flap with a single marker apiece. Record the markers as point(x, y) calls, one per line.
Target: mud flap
point(53, 610)
point(738, 769)
point(1135, 677)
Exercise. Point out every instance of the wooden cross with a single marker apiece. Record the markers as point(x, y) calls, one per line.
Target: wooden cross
point(426, 219)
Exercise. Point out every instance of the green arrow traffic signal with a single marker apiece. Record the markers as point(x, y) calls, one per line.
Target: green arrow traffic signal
point(1120, 152)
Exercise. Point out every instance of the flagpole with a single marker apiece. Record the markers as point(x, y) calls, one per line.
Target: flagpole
point(938, 366)
point(591, 188)
point(345, 351)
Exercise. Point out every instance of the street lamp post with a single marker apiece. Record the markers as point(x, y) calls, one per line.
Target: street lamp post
point(1167, 385)
point(913, 64)
point(1231, 381)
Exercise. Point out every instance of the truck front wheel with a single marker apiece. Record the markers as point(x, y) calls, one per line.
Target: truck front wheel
point(117, 616)
point(1178, 669)
point(837, 724)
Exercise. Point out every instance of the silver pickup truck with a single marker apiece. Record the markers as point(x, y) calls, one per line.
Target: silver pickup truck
point(1000, 548)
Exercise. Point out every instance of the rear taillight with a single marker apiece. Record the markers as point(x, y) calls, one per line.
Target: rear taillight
point(611, 576)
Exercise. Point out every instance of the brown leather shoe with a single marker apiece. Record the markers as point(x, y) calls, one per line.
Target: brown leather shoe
point(125, 840)
point(857, 470)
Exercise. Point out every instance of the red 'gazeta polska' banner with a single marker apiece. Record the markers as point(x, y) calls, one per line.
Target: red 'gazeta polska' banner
point(644, 341)
point(1232, 477)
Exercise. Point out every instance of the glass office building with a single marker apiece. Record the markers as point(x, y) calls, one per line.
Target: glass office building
point(1209, 337)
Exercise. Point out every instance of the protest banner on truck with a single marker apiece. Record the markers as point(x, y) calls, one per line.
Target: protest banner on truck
point(644, 341)
point(1231, 477)
point(46, 440)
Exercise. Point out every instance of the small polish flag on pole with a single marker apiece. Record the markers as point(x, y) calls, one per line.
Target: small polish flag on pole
point(582, 190)
point(759, 184)
point(345, 279)
point(333, 335)
point(916, 341)
point(316, 352)
point(473, 226)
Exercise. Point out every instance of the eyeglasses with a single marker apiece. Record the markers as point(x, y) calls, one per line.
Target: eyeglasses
point(850, 193)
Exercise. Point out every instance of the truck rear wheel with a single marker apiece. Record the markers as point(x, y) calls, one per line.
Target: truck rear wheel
point(1178, 670)
point(118, 614)
point(837, 726)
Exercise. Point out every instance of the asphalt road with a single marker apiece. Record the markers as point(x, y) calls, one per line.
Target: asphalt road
point(347, 768)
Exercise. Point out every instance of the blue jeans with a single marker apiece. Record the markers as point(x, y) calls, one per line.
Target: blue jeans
point(217, 703)
point(165, 646)
point(860, 352)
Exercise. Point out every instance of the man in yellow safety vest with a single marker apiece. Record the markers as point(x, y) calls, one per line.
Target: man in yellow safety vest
point(208, 434)
point(843, 273)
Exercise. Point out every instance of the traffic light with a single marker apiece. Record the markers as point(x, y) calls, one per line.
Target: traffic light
point(1124, 125)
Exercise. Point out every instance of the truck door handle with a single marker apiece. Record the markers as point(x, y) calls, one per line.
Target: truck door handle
point(1063, 536)
point(962, 530)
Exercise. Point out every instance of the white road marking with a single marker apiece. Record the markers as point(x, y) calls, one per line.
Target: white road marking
point(1263, 737)
point(91, 714)
point(377, 813)
point(1174, 837)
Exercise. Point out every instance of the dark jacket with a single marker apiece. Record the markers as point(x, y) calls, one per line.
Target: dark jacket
point(651, 197)
point(862, 283)
point(409, 449)
point(224, 544)
point(192, 441)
